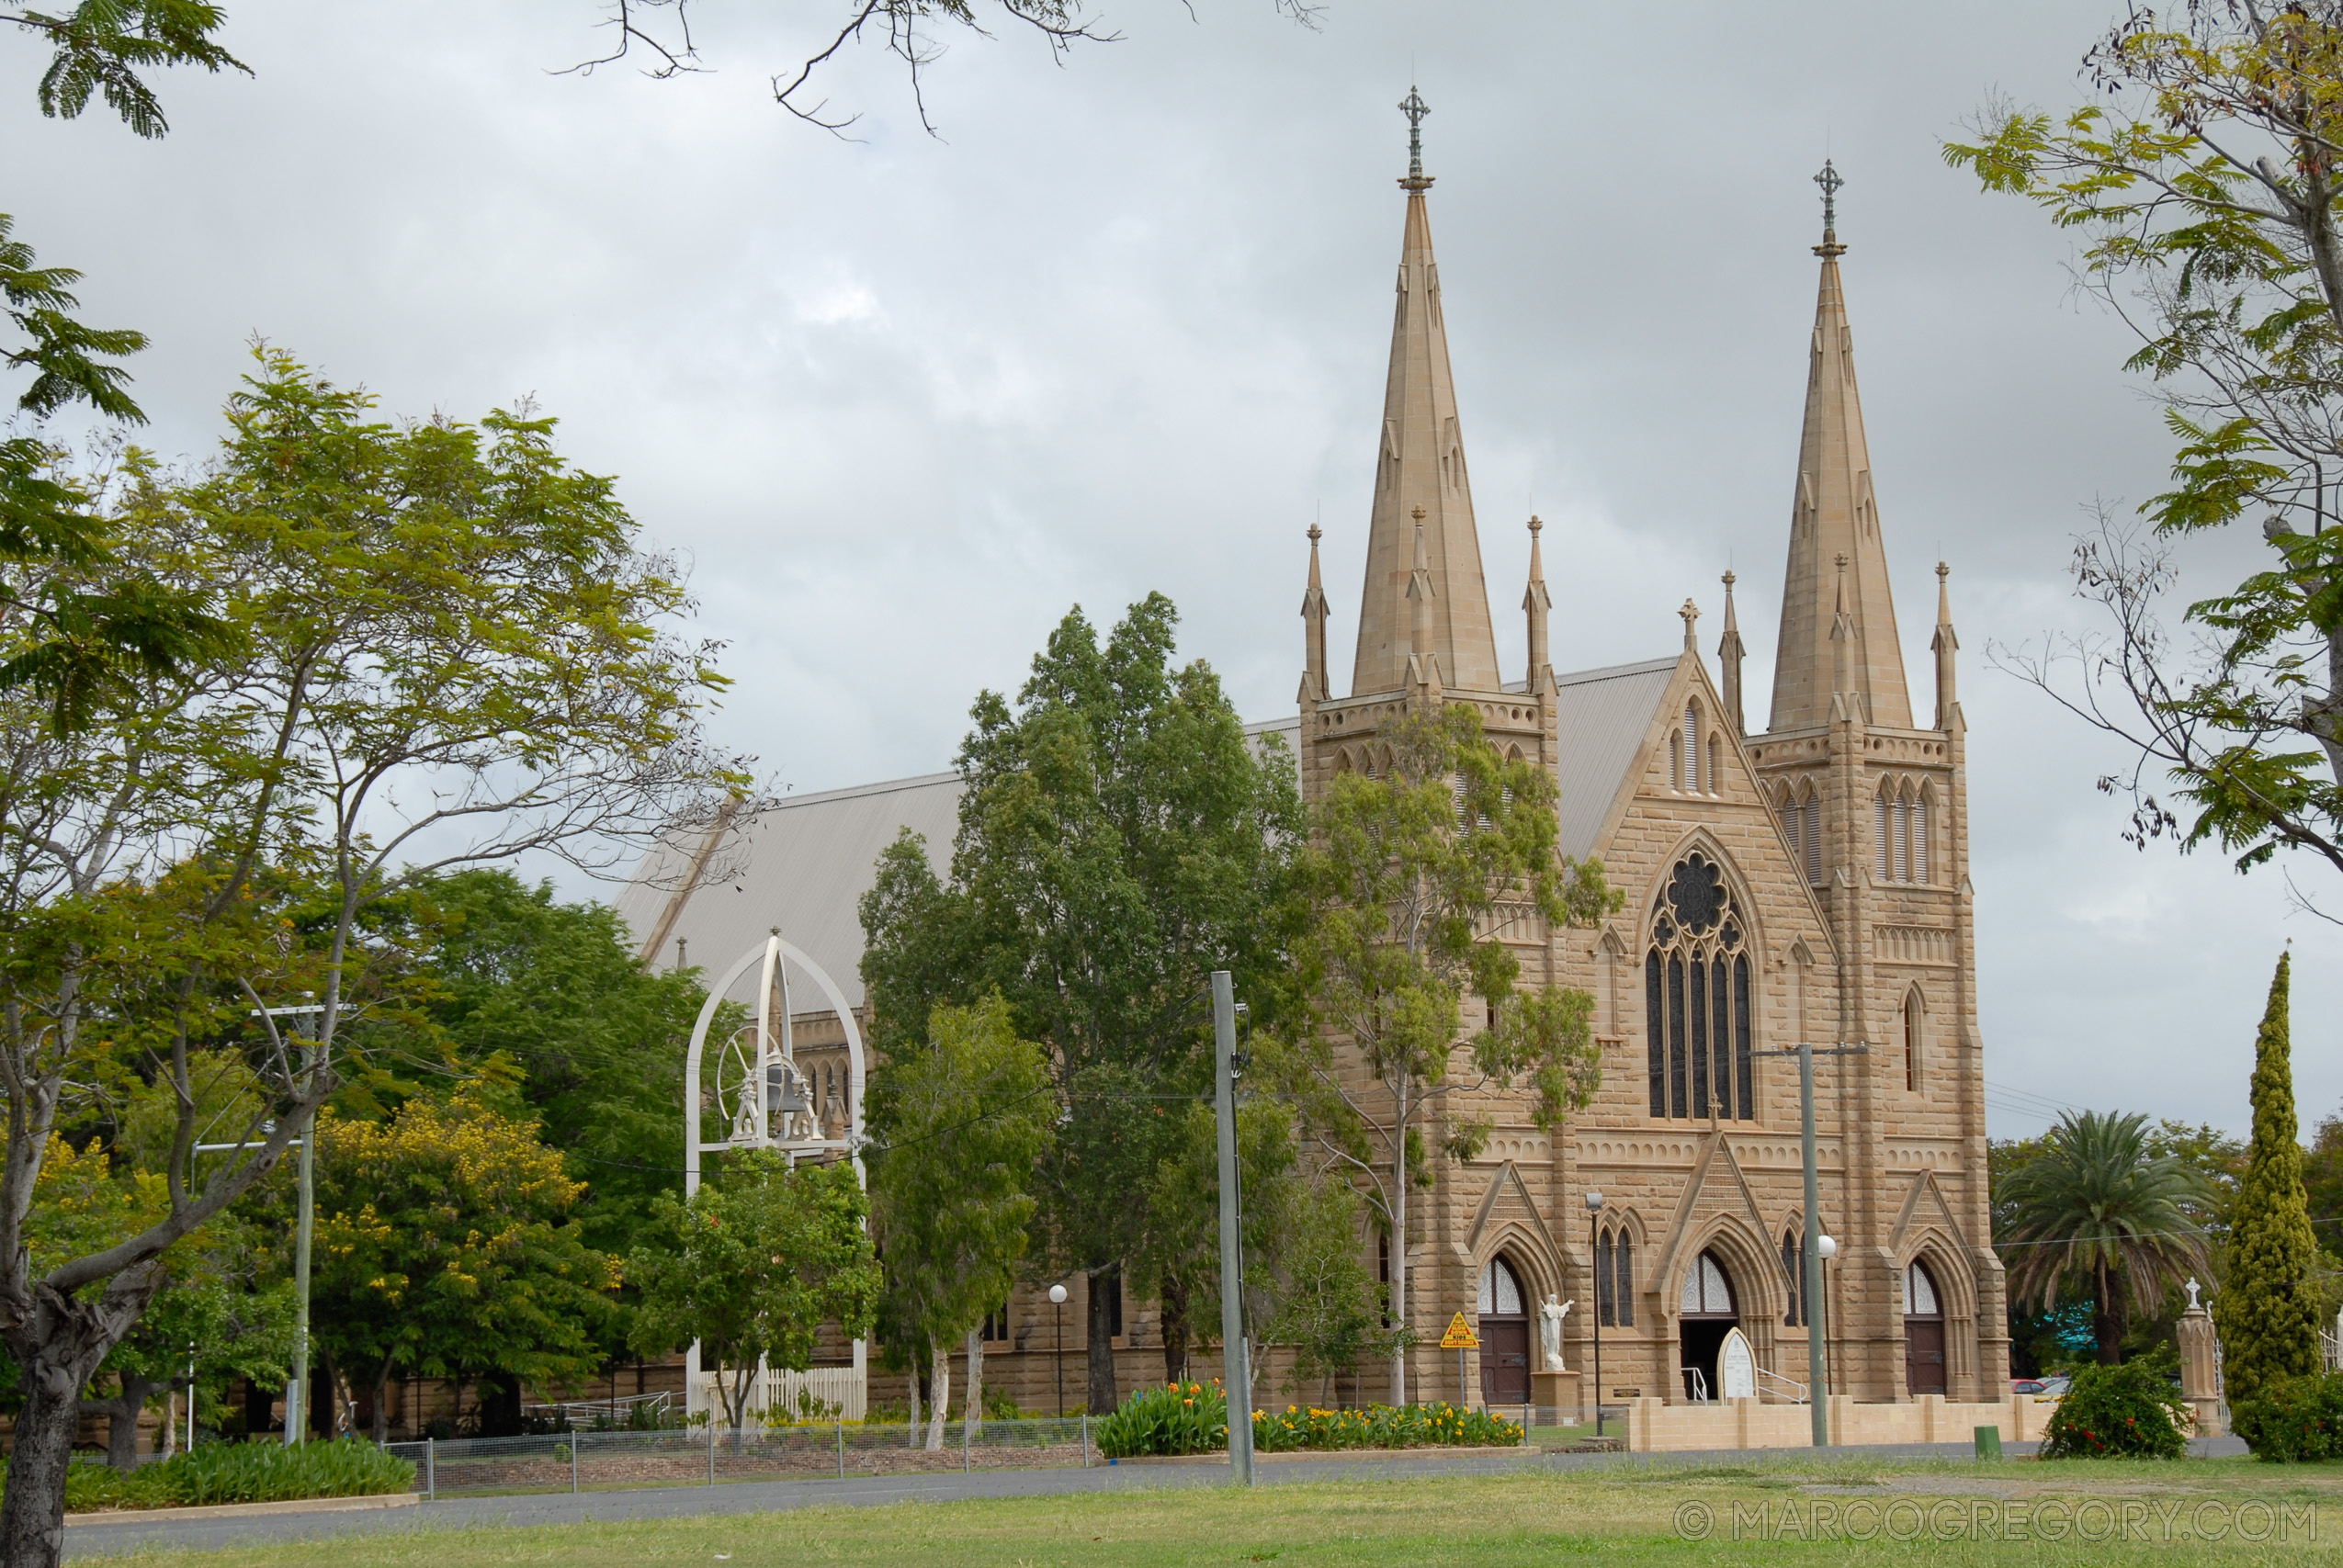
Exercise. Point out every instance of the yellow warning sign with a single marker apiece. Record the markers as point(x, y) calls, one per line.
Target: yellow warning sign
point(1460, 1336)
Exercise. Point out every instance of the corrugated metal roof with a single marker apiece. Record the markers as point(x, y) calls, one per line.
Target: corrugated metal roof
point(804, 866)
point(1603, 716)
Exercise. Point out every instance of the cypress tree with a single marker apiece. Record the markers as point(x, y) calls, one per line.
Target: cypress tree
point(2267, 1311)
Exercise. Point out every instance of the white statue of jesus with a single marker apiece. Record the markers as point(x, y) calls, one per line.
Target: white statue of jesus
point(1551, 1314)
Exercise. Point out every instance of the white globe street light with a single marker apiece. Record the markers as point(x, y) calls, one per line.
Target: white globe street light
point(1058, 1305)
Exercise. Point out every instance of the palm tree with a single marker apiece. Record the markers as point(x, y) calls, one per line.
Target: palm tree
point(2095, 1208)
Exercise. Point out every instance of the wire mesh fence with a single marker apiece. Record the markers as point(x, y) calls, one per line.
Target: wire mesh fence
point(708, 1456)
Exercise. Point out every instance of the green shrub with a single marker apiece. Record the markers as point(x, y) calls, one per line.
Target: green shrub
point(1177, 1418)
point(2295, 1421)
point(1438, 1424)
point(2127, 1412)
point(240, 1472)
point(1192, 1418)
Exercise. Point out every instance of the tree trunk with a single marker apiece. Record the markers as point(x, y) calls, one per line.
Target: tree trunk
point(1175, 1329)
point(939, 1395)
point(171, 1422)
point(1400, 1253)
point(972, 1402)
point(260, 1413)
point(32, 1514)
point(121, 1414)
point(500, 1405)
point(58, 1344)
point(2108, 1323)
point(381, 1424)
point(1098, 1348)
point(338, 1409)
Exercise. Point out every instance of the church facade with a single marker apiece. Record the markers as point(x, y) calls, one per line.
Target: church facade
point(1805, 881)
point(1808, 882)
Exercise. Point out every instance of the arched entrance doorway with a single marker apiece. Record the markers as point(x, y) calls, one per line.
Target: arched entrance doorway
point(1504, 1335)
point(1923, 1332)
point(1706, 1312)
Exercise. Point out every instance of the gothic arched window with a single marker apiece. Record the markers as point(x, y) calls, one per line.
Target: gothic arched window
point(1912, 1010)
point(1794, 1264)
point(1696, 999)
point(1614, 1279)
point(1899, 834)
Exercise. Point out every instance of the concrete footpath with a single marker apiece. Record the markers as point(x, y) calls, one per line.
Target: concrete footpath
point(113, 1538)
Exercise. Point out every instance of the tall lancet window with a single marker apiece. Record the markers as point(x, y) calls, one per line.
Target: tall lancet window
point(1899, 834)
point(1697, 1007)
point(1802, 827)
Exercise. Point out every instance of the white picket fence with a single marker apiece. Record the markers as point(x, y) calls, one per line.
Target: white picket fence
point(840, 1392)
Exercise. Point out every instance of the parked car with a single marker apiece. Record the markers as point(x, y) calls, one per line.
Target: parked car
point(2025, 1385)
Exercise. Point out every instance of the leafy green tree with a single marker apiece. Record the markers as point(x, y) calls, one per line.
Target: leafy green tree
point(1405, 870)
point(1120, 838)
point(2268, 1308)
point(446, 1247)
point(91, 618)
point(554, 988)
point(99, 47)
point(449, 650)
point(959, 1125)
point(753, 1266)
point(227, 1309)
point(2096, 1209)
point(1302, 1225)
point(2203, 179)
point(2322, 1184)
point(215, 1300)
point(2218, 1157)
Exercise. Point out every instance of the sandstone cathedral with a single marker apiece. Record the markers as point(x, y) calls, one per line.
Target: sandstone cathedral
point(1803, 883)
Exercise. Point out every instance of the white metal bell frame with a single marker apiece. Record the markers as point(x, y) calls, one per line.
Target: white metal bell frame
point(752, 1122)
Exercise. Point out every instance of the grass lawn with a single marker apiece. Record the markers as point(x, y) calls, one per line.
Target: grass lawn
point(1475, 1522)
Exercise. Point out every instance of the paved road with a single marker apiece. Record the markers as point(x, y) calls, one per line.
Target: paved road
point(767, 1496)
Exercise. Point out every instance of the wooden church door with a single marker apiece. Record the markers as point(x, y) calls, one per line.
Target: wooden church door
point(1504, 1337)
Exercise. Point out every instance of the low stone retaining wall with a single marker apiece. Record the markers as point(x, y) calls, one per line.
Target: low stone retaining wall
point(1654, 1426)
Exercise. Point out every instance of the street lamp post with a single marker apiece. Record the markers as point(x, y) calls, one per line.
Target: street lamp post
point(1058, 1305)
point(1825, 1249)
point(1817, 1372)
point(297, 1389)
point(1594, 1207)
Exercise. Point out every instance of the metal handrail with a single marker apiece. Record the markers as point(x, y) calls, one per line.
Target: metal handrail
point(1763, 1373)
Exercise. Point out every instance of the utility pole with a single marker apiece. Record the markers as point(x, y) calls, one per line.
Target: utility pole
point(1236, 1373)
point(1811, 1288)
point(296, 1386)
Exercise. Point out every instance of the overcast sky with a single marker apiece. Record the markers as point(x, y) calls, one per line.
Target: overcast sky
point(905, 399)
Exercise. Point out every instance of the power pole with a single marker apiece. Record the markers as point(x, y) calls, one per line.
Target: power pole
point(1811, 1287)
point(1236, 1372)
point(297, 1389)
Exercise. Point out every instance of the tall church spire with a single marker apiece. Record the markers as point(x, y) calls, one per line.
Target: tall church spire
point(1420, 466)
point(1946, 643)
point(1729, 662)
point(1314, 631)
point(1538, 603)
point(1834, 513)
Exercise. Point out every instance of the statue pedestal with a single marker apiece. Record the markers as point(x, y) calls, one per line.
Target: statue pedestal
point(1554, 1399)
point(2198, 1385)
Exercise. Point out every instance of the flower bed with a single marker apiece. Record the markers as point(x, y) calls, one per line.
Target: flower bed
point(240, 1472)
point(1192, 1418)
point(1438, 1424)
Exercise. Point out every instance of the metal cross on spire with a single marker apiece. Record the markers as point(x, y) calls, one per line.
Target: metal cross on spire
point(1829, 180)
point(1415, 109)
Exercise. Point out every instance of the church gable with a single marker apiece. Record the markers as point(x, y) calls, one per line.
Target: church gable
point(1692, 784)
